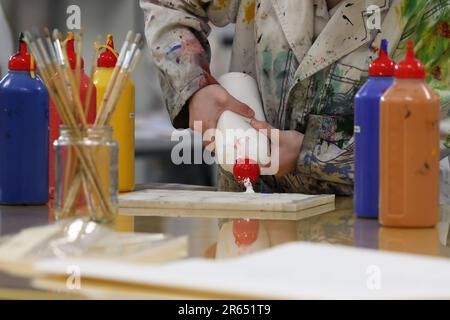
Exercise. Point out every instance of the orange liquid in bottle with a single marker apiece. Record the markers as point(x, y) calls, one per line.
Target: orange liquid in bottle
point(409, 149)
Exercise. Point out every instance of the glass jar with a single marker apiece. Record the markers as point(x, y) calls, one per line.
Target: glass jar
point(86, 174)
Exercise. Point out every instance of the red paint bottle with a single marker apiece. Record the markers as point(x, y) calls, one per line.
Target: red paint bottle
point(55, 120)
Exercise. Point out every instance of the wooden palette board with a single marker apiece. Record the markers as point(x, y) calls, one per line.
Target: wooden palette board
point(188, 203)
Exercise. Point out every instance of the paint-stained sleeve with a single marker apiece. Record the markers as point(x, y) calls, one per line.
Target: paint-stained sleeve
point(327, 153)
point(177, 32)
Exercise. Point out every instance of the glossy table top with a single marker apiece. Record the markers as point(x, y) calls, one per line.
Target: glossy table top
point(220, 238)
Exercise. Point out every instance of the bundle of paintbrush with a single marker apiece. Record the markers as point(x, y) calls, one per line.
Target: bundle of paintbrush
point(63, 85)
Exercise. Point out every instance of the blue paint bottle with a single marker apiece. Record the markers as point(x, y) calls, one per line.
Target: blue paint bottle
point(367, 132)
point(24, 105)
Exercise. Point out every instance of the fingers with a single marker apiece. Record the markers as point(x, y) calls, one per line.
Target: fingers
point(263, 127)
point(238, 107)
point(210, 146)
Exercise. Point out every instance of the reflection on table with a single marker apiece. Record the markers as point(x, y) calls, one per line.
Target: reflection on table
point(222, 239)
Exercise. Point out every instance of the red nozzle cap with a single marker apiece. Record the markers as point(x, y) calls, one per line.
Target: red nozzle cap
point(108, 58)
point(383, 66)
point(22, 60)
point(410, 68)
point(246, 168)
point(71, 55)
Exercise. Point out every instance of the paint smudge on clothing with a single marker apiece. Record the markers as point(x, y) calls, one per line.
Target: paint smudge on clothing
point(249, 12)
point(191, 47)
point(221, 4)
point(174, 48)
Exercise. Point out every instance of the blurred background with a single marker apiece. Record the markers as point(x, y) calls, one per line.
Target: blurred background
point(100, 17)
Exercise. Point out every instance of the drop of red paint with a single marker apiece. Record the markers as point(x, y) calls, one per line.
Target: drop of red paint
point(246, 168)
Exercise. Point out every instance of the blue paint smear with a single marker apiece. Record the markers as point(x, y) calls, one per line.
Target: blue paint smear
point(174, 48)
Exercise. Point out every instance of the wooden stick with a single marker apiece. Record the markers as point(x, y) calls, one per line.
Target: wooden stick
point(115, 73)
point(115, 99)
point(78, 52)
point(87, 101)
point(75, 92)
point(107, 111)
point(50, 65)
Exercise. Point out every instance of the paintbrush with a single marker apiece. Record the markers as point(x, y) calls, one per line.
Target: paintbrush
point(72, 82)
point(119, 84)
point(91, 78)
point(86, 159)
point(53, 62)
point(46, 66)
point(78, 52)
point(58, 92)
point(115, 73)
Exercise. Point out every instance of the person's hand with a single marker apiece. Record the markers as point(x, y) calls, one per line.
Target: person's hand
point(288, 148)
point(208, 104)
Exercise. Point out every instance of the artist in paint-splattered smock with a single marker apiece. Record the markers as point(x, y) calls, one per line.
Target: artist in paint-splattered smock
point(309, 62)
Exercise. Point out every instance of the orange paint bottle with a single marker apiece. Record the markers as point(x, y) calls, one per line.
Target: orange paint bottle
point(409, 149)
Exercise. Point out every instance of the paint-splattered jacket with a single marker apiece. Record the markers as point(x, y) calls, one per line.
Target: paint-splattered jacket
point(309, 63)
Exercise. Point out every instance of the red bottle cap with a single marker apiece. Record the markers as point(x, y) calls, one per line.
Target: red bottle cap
point(410, 68)
point(246, 169)
point(71, 55)
point(108, 58)
point(22, 60)
point(383, 66)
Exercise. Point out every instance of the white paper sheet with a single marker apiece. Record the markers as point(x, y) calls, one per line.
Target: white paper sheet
point(293, 271)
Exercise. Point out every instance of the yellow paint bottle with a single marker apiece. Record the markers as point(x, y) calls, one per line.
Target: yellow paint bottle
point(122, 121)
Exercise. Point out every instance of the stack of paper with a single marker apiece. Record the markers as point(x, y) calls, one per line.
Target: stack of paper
point(85, 239)
point(293, 271)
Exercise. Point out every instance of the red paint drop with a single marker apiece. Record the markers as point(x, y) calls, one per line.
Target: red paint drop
point(246, 168)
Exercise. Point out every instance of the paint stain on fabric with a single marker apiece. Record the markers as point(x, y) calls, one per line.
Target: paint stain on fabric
point(346, 18)
point(220, 4)
point(174, 48)
point(191, 47)
point(267, 68)
point(280, 72)
point(443, 30)
point(433, 48)
point(249, 12)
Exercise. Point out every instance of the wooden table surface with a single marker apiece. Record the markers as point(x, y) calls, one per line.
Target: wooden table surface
point(218, 238)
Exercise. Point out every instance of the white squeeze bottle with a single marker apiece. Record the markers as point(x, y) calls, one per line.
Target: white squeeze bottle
point(236, 140)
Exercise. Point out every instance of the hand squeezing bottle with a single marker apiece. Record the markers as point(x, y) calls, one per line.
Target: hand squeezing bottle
point(240, 149)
